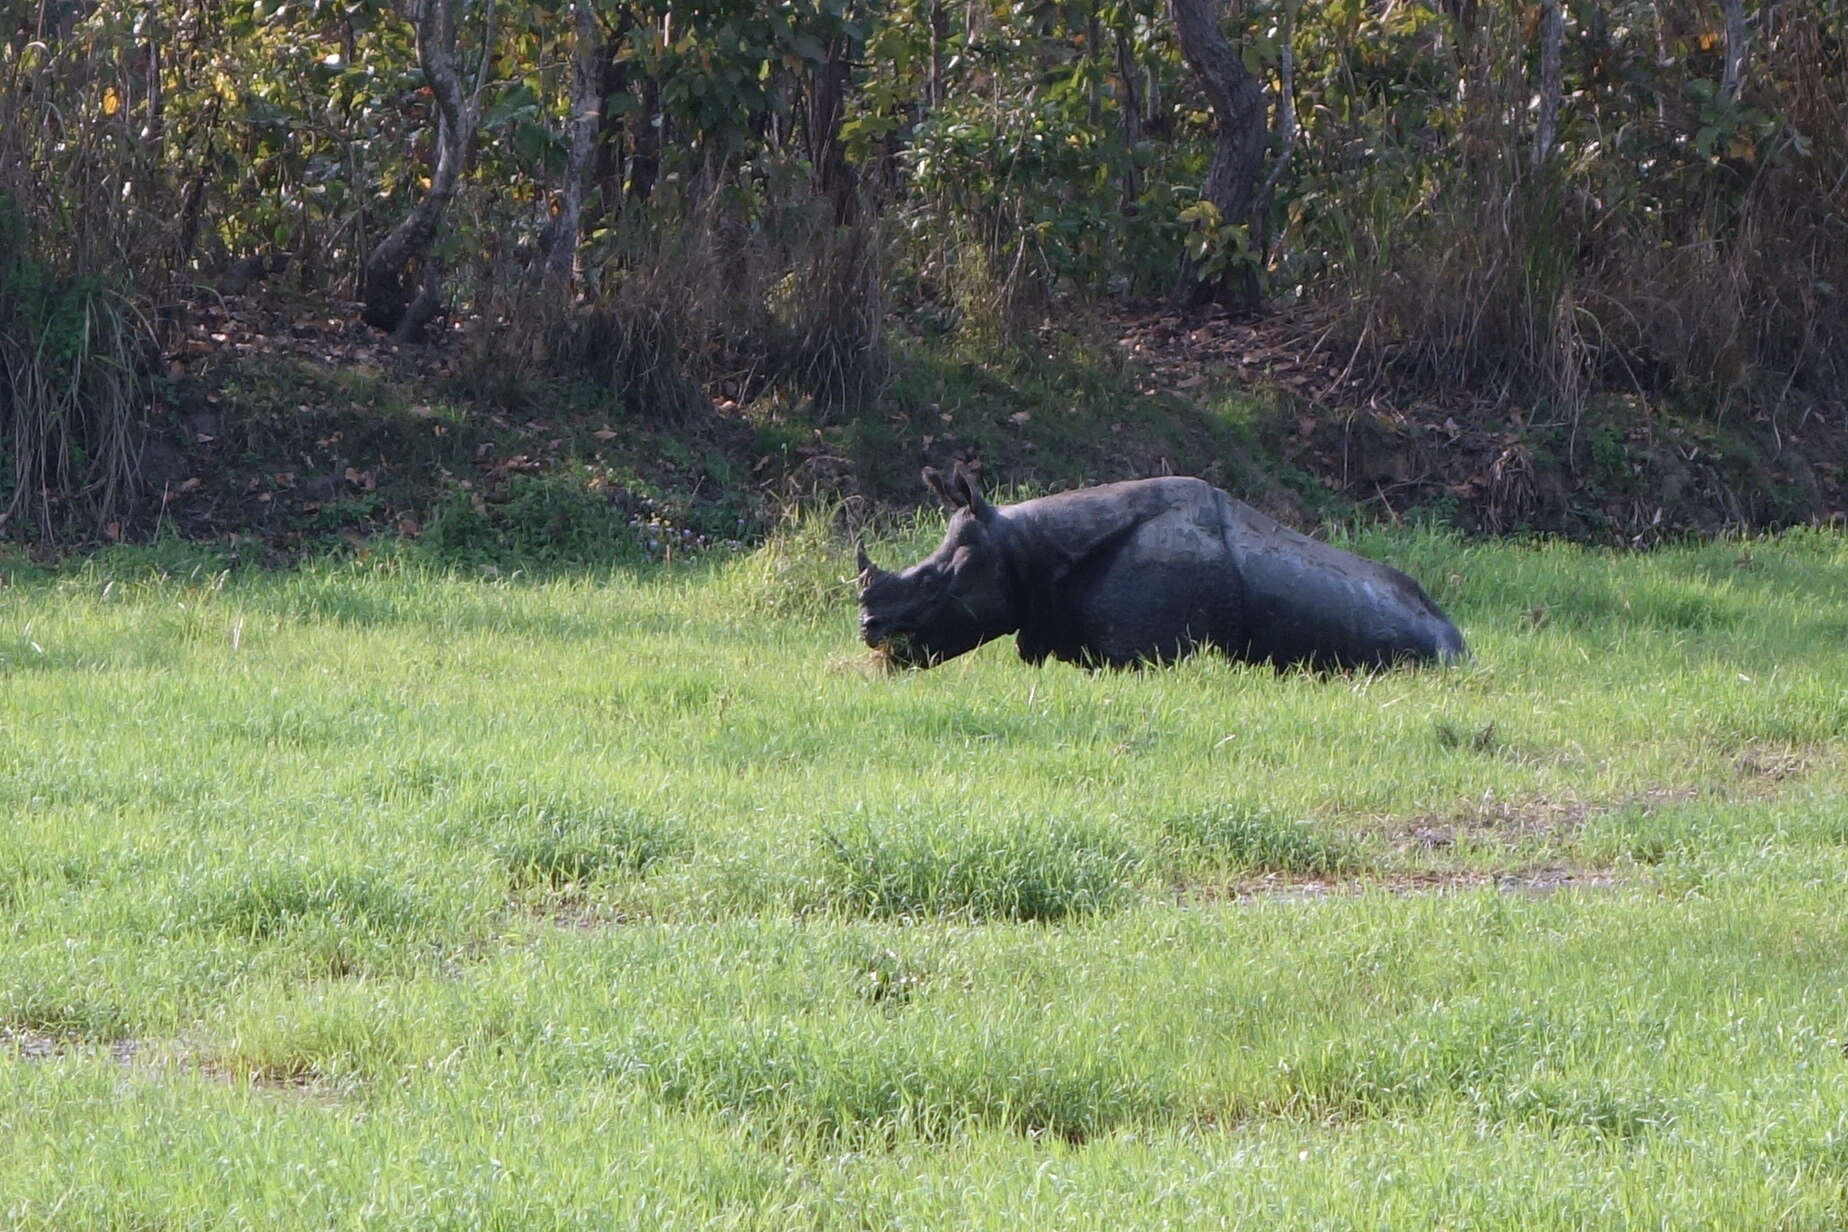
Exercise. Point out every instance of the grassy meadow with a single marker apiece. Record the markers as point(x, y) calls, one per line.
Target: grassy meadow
point(379, 894)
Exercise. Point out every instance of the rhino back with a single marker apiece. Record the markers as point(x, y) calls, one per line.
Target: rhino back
point(1310, 602)
point(1126, 572)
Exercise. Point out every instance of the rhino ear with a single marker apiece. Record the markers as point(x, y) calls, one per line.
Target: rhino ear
point(864, 563)
point(933, 479)
point(968, 491)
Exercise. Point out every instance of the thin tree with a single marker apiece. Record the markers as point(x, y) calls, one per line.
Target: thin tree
point(1552, 36)
point(406, 252)
point(559, 244)
point(1738, 47)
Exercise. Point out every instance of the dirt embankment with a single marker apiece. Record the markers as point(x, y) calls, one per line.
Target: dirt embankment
point(1621, 470)
point(288, 424)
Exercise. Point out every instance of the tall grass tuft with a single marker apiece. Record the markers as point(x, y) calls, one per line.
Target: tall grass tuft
point(863, 1090)
point(261, 904)
point(551, 844)
point(680, 313)
point(71, 396)
point(1019, 872)
point(804, 570)
point(1257, 842)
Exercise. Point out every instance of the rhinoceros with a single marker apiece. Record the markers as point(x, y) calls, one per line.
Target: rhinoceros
point(1144, 571)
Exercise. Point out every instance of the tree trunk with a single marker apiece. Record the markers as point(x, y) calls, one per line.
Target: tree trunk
point(645, 165)
point(1130, 107)
point(1284, 130)
point(612, 146)
point(560, 241)
point(939, 35)
point(154, 129)
point(1463, 13)
point(388, 305)
point(1232, 176)
point(827, 107)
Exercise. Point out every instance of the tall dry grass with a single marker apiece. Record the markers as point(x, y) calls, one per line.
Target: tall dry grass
point(1677, 244)
point(674, 314)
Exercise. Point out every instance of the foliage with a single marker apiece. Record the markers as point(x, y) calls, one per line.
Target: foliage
point(771, 186)
point(1677, 242)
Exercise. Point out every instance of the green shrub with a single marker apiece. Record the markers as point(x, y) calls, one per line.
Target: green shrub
point(568, 517)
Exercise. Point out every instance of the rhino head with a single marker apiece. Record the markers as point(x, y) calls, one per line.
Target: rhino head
point(951, 601)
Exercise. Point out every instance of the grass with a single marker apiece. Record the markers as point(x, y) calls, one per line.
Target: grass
point(374, 894)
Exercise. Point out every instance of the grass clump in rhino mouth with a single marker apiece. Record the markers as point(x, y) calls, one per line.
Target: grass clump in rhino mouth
point(896, 653)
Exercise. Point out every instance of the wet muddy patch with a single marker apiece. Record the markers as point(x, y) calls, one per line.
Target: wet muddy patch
point(1537, 881)
point(152, 1060)
point(1768, 764)
point(1536, 819)
point(30, 1045)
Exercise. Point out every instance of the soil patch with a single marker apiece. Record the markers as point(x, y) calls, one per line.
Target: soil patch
point(1535, 818)
point(580, 917)
point(133, 1055)
point(301, 1083)
point(1765, 766)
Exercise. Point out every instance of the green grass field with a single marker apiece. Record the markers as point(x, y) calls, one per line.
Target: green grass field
point(373, 894)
